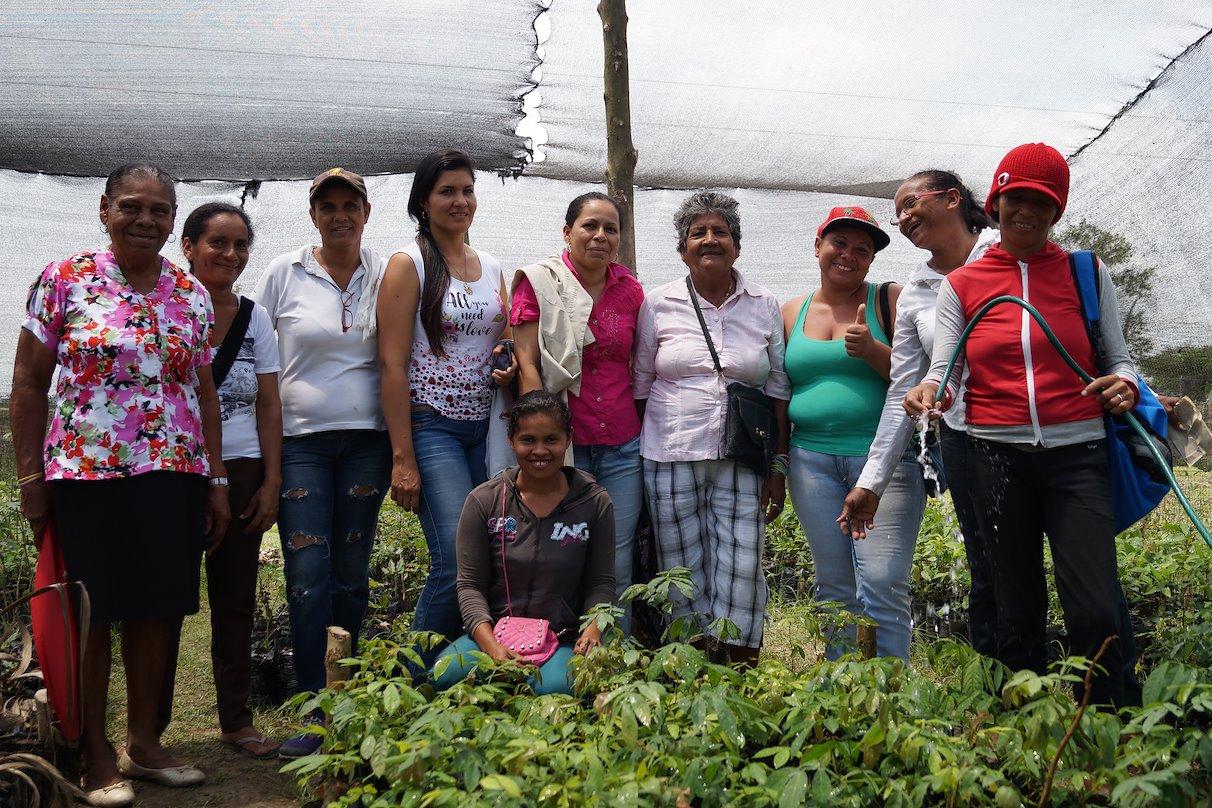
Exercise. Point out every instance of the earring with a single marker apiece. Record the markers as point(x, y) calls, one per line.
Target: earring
point(104, 229)
point(425, 214)
point(172, 237)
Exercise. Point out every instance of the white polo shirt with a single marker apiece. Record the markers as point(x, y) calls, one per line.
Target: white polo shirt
point(330, 377)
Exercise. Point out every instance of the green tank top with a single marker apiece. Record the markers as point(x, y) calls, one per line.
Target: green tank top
point(836, 398)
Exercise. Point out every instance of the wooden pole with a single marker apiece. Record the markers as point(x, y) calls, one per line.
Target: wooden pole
point(866, 642)
point(620, 151)
point(340, 646)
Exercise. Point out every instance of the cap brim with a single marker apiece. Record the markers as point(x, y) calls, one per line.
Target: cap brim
point(878, 236)
point(1031, 186)
point(335, 178)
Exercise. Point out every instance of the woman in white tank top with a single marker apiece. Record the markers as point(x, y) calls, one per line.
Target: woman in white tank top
point(441, 311)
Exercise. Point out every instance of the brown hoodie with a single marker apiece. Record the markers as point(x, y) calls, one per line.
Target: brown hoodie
point(559, 566)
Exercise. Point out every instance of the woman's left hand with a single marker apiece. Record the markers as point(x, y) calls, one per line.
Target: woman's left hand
point(262, 511)
point(1114, 394)
point(774, 495)
point(590, 638)
point(217, 516)
point(504, 378)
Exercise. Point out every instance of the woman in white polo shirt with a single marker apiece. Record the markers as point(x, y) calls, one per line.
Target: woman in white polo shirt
point(336, 458)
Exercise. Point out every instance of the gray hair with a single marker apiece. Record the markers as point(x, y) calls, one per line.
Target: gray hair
point(704, 203)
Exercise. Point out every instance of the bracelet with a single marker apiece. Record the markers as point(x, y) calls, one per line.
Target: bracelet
point(780, 464)
point(29, 478)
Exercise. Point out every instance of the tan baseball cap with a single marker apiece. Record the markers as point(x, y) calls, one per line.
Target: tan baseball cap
point(337, 175)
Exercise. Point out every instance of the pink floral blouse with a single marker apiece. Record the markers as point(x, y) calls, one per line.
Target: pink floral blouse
point(126, 401)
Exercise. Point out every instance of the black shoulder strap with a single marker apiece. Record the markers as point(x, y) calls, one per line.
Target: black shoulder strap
point(225, 357)
point(885, 314)
point(694, 298)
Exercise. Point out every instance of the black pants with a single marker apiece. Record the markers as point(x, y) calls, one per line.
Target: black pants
point(231, 587)
point(982, 607)
point(1064, 492)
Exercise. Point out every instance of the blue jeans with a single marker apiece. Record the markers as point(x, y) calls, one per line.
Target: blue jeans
point(552, 675)
point(332, 486)
point(870, 576)
point(620, 471)
point(450, 458)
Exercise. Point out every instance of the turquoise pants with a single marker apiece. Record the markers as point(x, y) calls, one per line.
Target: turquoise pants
point(552, 676)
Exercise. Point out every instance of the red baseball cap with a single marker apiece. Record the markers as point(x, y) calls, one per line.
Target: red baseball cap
point(854, 216)
point(1037, 166)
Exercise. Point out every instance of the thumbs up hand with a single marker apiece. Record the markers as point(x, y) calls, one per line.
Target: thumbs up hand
point(858, 336)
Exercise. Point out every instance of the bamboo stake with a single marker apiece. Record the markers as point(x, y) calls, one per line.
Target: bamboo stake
point(621, 154)
point(340, 646)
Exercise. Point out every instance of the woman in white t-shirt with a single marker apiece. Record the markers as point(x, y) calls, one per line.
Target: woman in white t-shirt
point(441, 311)
point(336, 459)
point(216, 240)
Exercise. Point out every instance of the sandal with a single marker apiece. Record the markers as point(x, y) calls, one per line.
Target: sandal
point(247, 746)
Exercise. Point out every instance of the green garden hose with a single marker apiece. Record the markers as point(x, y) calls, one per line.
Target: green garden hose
point(1085, 377)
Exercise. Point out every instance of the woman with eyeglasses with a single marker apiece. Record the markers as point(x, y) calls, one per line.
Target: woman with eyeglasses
point(336, 457)
point(838, 353)
point(937, 213)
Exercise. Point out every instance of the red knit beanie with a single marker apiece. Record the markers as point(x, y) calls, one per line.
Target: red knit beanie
point(1037, 166)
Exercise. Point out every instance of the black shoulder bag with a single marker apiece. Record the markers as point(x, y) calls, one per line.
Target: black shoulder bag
point(225, 357)
point(750, 430)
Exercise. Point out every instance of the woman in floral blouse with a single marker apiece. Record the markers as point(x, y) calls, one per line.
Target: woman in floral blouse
point(122, 468)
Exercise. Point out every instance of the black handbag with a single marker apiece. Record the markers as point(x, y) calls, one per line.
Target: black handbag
point(750, 429)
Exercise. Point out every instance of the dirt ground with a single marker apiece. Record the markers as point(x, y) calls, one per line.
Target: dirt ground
point(193, 736)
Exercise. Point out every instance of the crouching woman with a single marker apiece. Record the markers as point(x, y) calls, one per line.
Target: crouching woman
point(536, 541)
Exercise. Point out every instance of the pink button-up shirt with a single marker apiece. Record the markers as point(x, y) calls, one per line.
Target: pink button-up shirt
point(687, 403)
point(604, 413)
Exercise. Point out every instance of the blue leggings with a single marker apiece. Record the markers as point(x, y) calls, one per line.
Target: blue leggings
point(552, 675)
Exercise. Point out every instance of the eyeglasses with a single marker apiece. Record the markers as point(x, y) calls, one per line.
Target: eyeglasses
point(911, 203)
point(347, 315)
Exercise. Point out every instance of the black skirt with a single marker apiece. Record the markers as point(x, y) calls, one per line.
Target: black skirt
point(135, 542)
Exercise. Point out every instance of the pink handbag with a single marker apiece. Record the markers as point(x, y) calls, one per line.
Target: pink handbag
point(531, 638)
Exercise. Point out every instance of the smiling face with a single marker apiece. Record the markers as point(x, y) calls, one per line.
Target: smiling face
point(539, 443)
point(710, 247)
point(927, 216)
point(339, 213)
point(452, 202)
point(845, 254)
point(220, 254)
point(138, 217)
point(593, 239)
point(1025, 216)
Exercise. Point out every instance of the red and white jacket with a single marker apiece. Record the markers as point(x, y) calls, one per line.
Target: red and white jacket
point(1019, 390)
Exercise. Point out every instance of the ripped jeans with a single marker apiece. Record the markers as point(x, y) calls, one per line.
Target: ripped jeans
point(332, 486)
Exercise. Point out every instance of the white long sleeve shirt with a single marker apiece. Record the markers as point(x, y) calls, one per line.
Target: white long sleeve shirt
point(912, 347)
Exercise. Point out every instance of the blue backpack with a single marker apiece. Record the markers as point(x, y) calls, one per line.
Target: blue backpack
point(1137, 484)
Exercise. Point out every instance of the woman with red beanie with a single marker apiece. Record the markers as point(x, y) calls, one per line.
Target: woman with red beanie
point(1036, 449)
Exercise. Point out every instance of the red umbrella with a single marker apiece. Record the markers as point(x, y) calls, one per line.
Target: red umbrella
point(58, 634)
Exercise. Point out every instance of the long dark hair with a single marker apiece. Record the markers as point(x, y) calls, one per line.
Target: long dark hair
point(972, 211)
point(437, 273)
point(197, 221)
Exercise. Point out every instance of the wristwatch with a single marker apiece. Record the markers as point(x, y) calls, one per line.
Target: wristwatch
point(217, 481)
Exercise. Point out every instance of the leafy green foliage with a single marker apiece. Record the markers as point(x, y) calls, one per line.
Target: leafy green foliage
point(669, 727)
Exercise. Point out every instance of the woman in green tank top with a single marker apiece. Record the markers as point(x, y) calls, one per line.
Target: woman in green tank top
point(838, 355)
